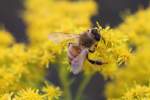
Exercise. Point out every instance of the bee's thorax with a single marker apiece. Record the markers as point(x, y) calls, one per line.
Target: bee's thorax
point(86, 41)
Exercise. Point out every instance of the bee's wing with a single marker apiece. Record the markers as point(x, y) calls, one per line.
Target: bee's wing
point(60, 37)
point(77, 63)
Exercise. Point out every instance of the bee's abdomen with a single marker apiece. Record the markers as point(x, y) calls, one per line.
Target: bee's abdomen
point(73, 51)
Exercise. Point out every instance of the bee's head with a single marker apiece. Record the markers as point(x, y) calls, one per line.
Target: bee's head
point(95, 34)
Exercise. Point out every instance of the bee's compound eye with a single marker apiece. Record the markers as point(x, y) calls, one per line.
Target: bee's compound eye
point(97, 37)
point(96, 34)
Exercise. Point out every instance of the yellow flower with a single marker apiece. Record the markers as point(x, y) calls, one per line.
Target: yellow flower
point(53, 16)
point(138, 92)
point(6, 96)
point(137, 28)
point(6, 38)
point(52, 92)
point(28, 94)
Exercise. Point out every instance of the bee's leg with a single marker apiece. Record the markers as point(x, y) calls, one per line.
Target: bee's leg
point(97, 62)
point(92, 50)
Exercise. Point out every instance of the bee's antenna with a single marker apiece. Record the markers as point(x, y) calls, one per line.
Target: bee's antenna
point(103, 39)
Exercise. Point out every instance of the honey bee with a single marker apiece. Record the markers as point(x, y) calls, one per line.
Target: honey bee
point(78, 52)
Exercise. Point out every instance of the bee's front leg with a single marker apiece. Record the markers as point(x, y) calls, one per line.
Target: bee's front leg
point(92, 49)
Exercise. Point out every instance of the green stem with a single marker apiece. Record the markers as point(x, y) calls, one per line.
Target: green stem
point(63, 75)
point(82, 87)
point(65, 83)
point(67, 93)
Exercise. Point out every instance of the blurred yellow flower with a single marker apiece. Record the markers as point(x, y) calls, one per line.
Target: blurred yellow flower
point(51, 92)
point(44, 17)
point(137, 93)
point(137, 28)
point(5, 38)
point(28, 94)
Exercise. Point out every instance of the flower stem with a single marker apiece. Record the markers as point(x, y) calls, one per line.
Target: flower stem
point(82, 86)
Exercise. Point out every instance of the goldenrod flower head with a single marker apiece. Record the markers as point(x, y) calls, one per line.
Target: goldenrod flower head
point(6, 96)
point(51, 92)
point(6, 38)
point(28, 94)
point(137, 28)
point(44, 17)
point(138, 92)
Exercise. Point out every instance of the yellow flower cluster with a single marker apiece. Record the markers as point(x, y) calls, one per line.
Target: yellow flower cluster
point(137, 27)
point(49, 93)
point(20, 65)
point(44, 17)
point(112, 49)
point(137, 93)
point(22, 68)
point(6, 38)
